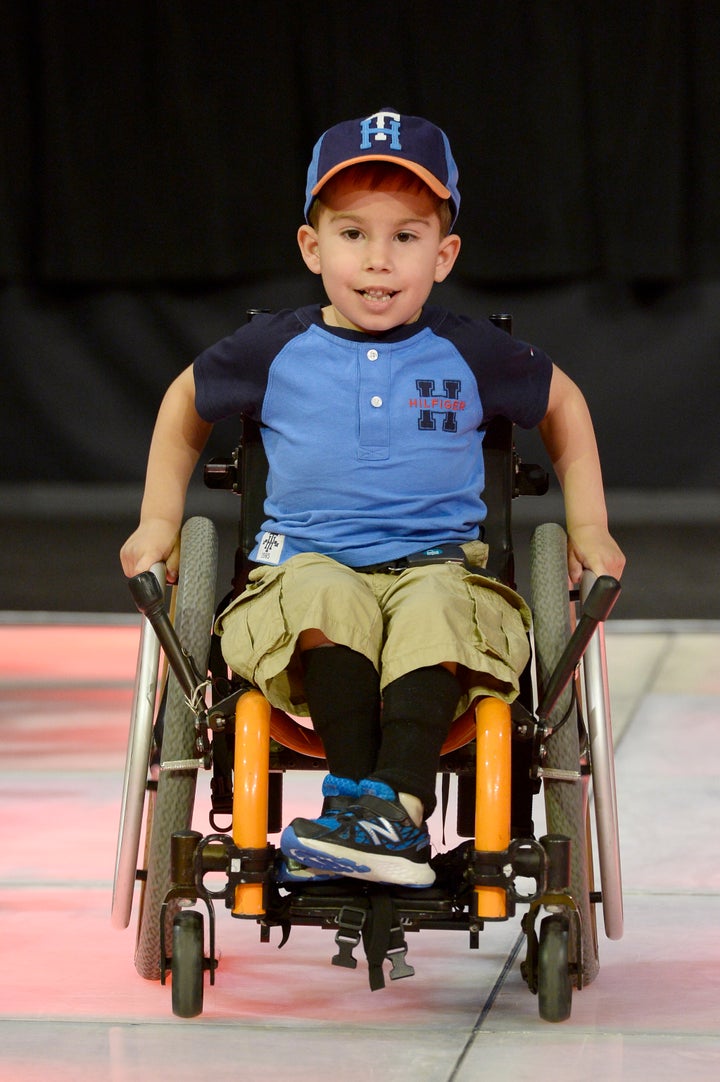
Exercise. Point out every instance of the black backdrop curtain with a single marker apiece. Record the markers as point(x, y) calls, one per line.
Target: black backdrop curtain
point(152, 163)
point(168, 140)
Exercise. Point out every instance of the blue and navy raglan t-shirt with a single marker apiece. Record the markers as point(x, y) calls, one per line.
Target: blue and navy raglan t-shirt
point(374, 442)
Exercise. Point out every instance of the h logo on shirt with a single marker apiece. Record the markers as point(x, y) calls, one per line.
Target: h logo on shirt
point(431, 404)
point(385, 124)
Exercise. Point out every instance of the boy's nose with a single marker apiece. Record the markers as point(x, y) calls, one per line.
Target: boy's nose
point(378, 256)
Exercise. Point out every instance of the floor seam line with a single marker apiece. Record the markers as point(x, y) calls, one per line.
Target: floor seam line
point(488, 1005)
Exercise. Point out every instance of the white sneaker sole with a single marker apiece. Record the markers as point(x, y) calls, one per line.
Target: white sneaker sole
point(379, 868)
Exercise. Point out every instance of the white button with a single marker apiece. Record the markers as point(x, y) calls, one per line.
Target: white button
point(376, 401)
point(372, 354)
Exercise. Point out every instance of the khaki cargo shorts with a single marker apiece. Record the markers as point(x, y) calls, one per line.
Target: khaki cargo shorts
point(419, 617)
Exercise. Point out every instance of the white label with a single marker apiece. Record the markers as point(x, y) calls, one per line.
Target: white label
point(270, 548)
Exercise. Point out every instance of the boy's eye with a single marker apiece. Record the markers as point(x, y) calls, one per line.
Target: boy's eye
point(352, 234)
point(404, 237)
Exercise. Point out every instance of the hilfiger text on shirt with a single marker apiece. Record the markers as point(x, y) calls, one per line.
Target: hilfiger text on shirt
point(432, 405)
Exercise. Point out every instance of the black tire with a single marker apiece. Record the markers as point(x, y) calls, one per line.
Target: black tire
point(566, 806)
point(173, 804)
point(187, 963)
point(554, 984)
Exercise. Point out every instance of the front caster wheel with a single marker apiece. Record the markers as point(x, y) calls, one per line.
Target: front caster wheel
point(554, 984)
point(187, 963)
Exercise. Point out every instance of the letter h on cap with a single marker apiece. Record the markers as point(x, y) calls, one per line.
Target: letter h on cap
point(381, 132)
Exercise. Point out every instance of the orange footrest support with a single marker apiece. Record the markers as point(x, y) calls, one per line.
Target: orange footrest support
point(492, 803)
point(250, 794)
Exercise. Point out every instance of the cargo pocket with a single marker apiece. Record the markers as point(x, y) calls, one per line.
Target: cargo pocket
point(502, 620)
point(253, 626)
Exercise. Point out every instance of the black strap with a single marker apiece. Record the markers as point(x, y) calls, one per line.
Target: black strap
point(376, 936)
point(445, 553)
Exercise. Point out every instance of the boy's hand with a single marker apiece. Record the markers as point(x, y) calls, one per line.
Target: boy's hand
point(592, 548)
point(154, 541)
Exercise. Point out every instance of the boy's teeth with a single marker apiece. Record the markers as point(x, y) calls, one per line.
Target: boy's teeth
point(377, 294)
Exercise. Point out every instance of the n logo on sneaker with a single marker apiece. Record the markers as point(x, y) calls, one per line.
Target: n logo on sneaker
point(376, 832)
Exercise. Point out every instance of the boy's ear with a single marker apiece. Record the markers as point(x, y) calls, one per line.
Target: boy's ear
point(448, 252)
point(308, 244)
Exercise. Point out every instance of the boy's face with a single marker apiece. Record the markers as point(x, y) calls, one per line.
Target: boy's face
point(378, 252)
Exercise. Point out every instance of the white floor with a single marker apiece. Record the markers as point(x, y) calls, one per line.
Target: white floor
point(72, 1006)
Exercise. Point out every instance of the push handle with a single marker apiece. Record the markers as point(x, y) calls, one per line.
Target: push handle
point(147, 594)
point(601, 600)
point(598, 606)
point(148, 597)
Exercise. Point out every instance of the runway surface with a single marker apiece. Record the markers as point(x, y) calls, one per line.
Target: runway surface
point(73, 1008)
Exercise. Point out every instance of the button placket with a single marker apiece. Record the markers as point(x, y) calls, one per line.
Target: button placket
point(374, 395)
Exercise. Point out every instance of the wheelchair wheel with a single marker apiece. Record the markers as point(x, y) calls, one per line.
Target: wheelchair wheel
point(173, 803)
point(566, 801)
point(554, 984)
point(187, 963)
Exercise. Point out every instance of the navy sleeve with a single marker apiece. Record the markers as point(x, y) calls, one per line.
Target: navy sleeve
point(513, 377)
point(231, 376)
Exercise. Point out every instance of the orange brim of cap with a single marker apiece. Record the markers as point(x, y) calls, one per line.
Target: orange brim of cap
point(419, 170)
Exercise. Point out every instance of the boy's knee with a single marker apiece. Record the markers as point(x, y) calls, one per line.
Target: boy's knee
point(311, 638)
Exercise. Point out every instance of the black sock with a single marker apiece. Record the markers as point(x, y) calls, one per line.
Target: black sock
point(418, 709)
point(343, 693)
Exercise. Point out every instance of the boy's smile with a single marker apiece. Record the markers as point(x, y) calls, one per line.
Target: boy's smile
point(379, 252)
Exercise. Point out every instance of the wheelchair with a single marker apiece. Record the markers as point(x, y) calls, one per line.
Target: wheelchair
point(191, 714)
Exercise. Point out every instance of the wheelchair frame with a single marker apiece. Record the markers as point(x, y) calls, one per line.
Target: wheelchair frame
point(557, 735)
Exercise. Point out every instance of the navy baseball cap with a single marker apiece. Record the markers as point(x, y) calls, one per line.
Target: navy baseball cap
point(387, 136)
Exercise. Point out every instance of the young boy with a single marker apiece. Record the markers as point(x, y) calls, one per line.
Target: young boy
point(372, 411)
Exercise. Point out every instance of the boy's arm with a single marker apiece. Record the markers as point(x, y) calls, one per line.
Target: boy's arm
point(178, 440)
point(569, 438)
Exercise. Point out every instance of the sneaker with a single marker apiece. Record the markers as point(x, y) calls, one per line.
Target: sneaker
point(338, 794)
point(374, 839)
